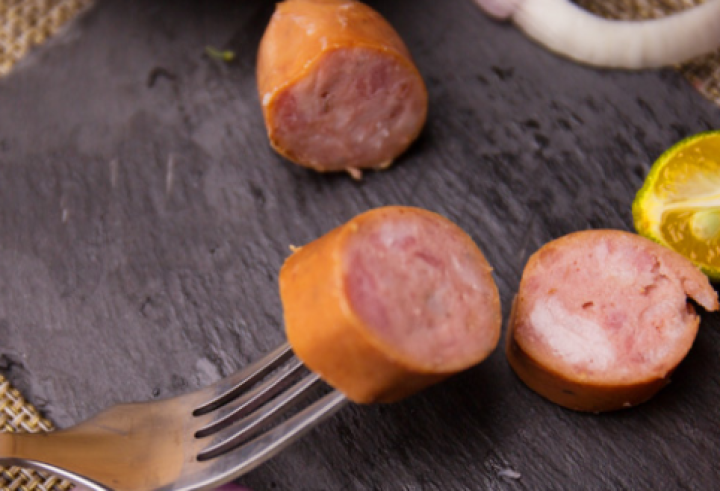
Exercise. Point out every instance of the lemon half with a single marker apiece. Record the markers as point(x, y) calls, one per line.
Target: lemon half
point(679, 203)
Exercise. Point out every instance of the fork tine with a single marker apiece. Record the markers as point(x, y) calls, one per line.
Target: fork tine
point(234, 435)
point(229, 388)
point(243, 459)
point(254, 398)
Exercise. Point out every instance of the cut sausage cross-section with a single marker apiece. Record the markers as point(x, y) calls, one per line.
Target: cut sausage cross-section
point(602, 319)
point(389, 303)
point(338, 87)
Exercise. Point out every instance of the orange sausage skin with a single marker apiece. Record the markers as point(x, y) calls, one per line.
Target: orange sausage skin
point(566, 391)
point(304, 34)
point(288, 48)
point(619, 307)
point(328, 336)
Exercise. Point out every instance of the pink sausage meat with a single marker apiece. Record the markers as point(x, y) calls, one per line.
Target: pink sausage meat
point(419, 286)
point(338, 87)
point(356, 110)
point(391, 302)
point(602, 319)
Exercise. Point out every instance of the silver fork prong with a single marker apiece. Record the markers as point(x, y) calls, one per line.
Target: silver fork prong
point(234, 435)
point(243, 459)
point(231, 387)
point(159, 437)
point(253, 398)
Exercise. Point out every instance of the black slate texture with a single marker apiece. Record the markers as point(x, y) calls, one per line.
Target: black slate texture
point(143, 220)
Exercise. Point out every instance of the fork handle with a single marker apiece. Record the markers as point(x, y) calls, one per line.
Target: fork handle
point(7, 446)
point(48, 452)
point(13, 446)
point(92, 452)
point(36, 450)
point(28, 447)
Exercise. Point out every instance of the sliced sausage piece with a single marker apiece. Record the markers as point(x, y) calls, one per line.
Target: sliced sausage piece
point(602, 318)
point(338, 88)
point(396, 299)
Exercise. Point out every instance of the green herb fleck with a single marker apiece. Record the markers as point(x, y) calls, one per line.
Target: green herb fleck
point(221, 55)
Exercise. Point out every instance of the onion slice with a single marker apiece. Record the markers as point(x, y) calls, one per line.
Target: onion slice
point(570, 31)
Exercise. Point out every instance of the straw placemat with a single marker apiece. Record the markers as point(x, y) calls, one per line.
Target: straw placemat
point(703, 73)
point(28, 23)
point(16, 414)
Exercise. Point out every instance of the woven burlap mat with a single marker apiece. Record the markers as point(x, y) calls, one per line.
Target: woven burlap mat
point(16, 414)
point(23, 25)
point(28, 23)
point(703, 73)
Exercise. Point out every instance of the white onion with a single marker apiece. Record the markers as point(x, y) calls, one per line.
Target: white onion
point(570, 31)
point(499, 9)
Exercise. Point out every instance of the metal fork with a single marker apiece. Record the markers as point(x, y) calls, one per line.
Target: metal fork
point(191, 442)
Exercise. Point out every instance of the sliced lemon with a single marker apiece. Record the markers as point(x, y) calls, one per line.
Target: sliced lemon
point(679, 204)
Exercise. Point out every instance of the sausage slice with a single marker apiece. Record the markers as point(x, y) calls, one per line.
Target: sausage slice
point(602, 318)
point(338, 88)
point(396, 299)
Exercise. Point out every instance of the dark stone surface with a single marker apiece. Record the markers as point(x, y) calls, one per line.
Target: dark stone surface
point(143, 220)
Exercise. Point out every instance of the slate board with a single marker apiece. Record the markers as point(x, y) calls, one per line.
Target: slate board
point(143, 220)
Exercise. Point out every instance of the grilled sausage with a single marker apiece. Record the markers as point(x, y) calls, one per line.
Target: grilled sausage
point(396, 299)
point(602, 318)
point(338, 88)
